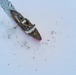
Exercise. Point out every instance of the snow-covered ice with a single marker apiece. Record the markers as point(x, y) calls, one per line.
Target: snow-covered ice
point(21, 54)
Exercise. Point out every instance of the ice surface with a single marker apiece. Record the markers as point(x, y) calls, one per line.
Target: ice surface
point(20, 54)
point(7, 5)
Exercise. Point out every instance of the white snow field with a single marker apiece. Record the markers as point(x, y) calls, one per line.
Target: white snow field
point(55, 54)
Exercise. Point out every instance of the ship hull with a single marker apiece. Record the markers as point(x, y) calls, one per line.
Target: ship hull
point(31, 30)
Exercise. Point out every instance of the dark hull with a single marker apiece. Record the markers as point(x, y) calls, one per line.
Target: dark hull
point(34, 33)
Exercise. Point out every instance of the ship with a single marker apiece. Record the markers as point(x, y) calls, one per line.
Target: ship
point(25, 25)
